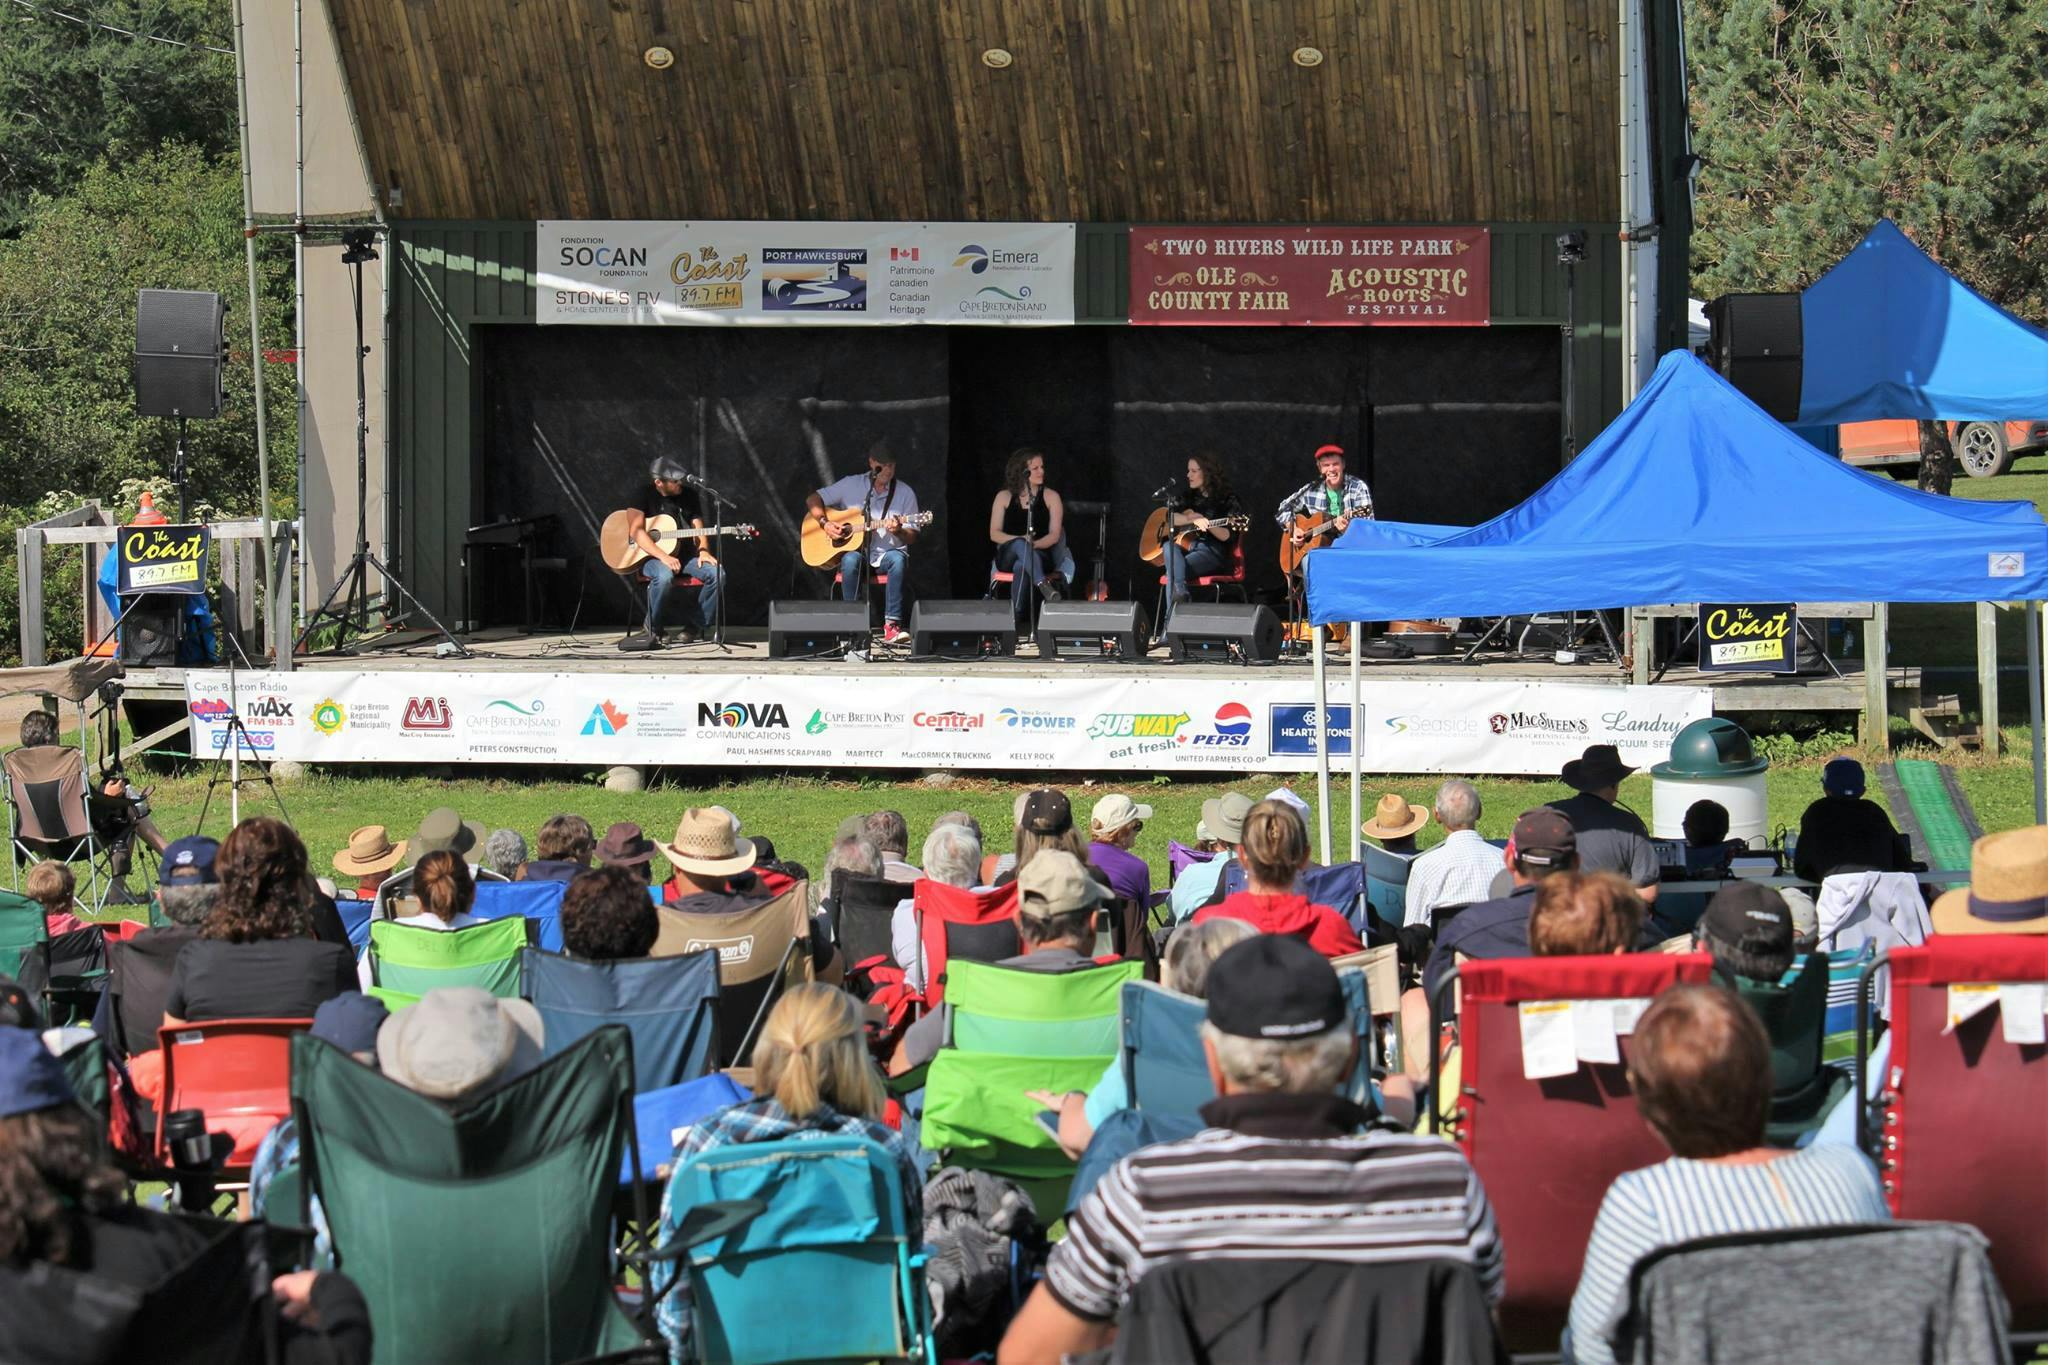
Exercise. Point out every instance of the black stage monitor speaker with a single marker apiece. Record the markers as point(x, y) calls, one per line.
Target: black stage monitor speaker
point(1091, 630)
point(149, 630)
point(1223, 632)
point(180, 342)
point(810, 630)
point(1758, 344)
point(968, 629)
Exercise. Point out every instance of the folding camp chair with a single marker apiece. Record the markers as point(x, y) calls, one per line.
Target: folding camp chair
point(1794, 1014)
point(479, 1231)
point(1009, 1031)
point(824, 1212)
point(395, 900)
point(1386, 893)
point(1545, 1192)
point(1845, 974)
point(761, 950)
point(50, 799)
point(22, 927)
point(1957, 1128)
point(1159, 1046)
point(67, 973)
point(237, 1072)
point(1341, 886)
point(661, 1117)
point(1179, 858)
point(539, 902)
point(668, 1004)
point(138, 982)
point(408, 960)
point(861, 911)
point(1761, 1296)
point(978, 926)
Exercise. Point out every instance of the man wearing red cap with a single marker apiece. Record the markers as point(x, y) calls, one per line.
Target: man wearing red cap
point(1342, 497)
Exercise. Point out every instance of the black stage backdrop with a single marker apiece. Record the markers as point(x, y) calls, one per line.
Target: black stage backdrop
point(1449, 425)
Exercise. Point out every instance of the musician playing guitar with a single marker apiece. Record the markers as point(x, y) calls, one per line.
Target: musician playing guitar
point(888, 507)
point(1319, 511)
point(1202, 507)
point(667, 496)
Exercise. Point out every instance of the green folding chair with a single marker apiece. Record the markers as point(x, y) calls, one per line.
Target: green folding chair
point(1794, 1014)
point(1010, 1031)
point(478, 1232)
point(22, 927)
point(408, 960)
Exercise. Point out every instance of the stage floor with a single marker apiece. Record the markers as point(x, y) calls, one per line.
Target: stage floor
point(509, 651)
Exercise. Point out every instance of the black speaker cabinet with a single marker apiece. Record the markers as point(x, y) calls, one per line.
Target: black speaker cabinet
point(966, 629)
point(149, 631)
point(180, 343)
point(1092, 630)
point(1758, 344)
point(1223, 632)
point(807, 630)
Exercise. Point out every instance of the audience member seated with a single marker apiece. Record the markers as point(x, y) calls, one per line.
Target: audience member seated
point(1846, 832)
point(1543, 843)
point(1113, 826)
point(1394, 823)
point(1274, 851)
point(890, 833)
point(1046, 824)
point(51, 885)
point(607, 916)
point(369, 858)
point(1700, 1067)
point(951, 856)
point(116, 819)
point(563, 849)
point(1747, 927)
point(994, 865)
point(186, 893)
point(350, 1022)
point(256, 957)
point(505, 854)
point(455, 1041)
point(1189, 954)
point(855, 855)
point(1708, 849)
point(442, 829)
point(1201, 884)
point(442, 886)
point(625, 846)
point(1459, 870)
point(63, 1203)
point(1611, 837)
point(707, 856)
point(814, 1079)
point(1056, 901)
point(1281, 1169)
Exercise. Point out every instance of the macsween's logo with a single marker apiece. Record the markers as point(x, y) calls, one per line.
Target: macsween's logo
point(1232, 728)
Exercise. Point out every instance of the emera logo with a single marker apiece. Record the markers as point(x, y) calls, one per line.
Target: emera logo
point(946, 720)
point(742, 715)
point(1154, 725)
point(328, 717)
point(605, 719)
point(1233, 728)
point(974, 258)
point(427, 713)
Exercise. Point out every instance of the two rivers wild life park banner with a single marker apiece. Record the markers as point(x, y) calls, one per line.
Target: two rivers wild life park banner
point(1357, 277)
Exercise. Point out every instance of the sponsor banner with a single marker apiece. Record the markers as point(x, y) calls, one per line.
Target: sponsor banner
point(828, 718)
point(1357, 277)
point(1749, 638)
point(781, 274)
point(162, 559)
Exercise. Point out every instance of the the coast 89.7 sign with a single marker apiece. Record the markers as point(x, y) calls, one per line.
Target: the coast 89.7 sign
point(1355, 277)
point(1754, 637)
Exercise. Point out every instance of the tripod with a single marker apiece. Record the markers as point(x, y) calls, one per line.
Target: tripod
point(232, 741)
point(353, 615)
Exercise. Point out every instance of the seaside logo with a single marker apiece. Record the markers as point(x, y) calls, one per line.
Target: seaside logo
point(605, 719)
point(328, 716)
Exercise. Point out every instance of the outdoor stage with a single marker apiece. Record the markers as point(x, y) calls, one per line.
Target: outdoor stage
point(555, 698)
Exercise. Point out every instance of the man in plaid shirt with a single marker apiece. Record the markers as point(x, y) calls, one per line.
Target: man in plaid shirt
point(1343, 496)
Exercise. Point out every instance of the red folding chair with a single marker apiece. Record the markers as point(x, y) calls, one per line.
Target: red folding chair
point(1959, 1128)
point(1217, 582)
point(236, 1071)
point(953, 921)
point(1546, 1150)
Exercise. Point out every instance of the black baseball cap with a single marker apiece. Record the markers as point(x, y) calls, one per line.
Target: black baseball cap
point(1749, 916)
point(1544, 837)
point(1274, 986)
point(1046, 811)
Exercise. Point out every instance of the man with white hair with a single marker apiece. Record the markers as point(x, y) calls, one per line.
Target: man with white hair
point(1461, 869)
point(1281, 1167)
point(952, 857)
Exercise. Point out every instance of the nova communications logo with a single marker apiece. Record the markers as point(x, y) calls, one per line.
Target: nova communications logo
point(735, 715)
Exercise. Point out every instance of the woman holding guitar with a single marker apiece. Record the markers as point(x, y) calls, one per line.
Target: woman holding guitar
point(1027, 522)
point(1199, 523)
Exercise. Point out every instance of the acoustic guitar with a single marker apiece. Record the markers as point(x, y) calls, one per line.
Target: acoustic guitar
point(1319, 528)
point(622, 554)
point(820, 550)
point(1166, 524)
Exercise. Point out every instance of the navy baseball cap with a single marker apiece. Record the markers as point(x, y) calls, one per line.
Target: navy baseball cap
point(1842, 777)
point(1274, 986)
point(189, 861)
point(30, 1078)
point(350, 1021)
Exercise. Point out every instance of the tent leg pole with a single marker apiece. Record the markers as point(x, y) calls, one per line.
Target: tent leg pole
point(1322, 746)
point(1987, 677)
point(2034, 628)
point(1876, 706)
point(1357, 735)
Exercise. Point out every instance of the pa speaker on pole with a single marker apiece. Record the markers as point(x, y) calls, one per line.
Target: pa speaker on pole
point(1758, 343)
point(1091, 630)
point(972, 628)
point(1223, 632)
point(180, 344)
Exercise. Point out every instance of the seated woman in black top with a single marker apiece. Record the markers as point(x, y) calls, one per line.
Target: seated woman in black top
point(256, 956)
point(1026, 522)
point(1208, 499)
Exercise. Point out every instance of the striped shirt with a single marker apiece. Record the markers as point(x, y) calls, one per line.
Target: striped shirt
point(1458, 871)
point(1282, 1177)
point(1679, 1199)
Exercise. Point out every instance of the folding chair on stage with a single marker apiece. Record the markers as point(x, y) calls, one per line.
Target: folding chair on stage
point(408, 960)
point(479, 1232)
point(1547, 1149)
point(238, 1073)
point(668, 1004)
point(1958, 1127)
point(761, 950)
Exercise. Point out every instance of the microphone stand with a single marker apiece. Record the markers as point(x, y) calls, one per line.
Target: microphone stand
point(718, 506)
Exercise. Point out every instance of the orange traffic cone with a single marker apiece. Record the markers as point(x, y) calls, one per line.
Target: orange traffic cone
point(146, 514)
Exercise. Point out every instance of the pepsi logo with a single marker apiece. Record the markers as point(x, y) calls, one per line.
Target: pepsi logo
point(1232, 728)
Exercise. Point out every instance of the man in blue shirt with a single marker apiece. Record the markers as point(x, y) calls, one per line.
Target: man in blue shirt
point(888, 506)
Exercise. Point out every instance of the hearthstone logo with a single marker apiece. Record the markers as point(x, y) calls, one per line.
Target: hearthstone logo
point(427, 713)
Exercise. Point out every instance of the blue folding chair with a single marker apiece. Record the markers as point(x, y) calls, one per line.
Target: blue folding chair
point(827, 1211)
point(540, 902)
point(659, 1116)
point(355, 918)
point(1386, 893)
point(668, 1004)
point(1341, 886)
point(1159, 1044)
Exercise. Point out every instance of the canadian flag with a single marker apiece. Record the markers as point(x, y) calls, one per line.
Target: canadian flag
point(902, 253)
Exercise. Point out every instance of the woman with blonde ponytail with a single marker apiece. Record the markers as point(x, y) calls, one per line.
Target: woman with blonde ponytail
point(813, 1079)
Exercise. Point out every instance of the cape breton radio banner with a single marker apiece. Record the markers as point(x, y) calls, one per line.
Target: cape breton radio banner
point(804, 274)
point(1356, 277)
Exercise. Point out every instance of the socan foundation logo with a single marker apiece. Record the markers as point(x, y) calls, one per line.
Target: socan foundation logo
point(1232, 729)
point(328, 716)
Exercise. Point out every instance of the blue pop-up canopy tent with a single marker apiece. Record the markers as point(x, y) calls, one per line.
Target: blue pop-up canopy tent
point(1888, 333)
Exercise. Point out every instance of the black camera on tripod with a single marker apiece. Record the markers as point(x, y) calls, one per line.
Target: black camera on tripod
point(197, 1157)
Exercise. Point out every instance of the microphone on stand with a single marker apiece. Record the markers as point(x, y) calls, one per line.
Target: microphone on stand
point(1163, 491)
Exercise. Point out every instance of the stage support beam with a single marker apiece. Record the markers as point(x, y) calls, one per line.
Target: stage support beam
point(1876, 709)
